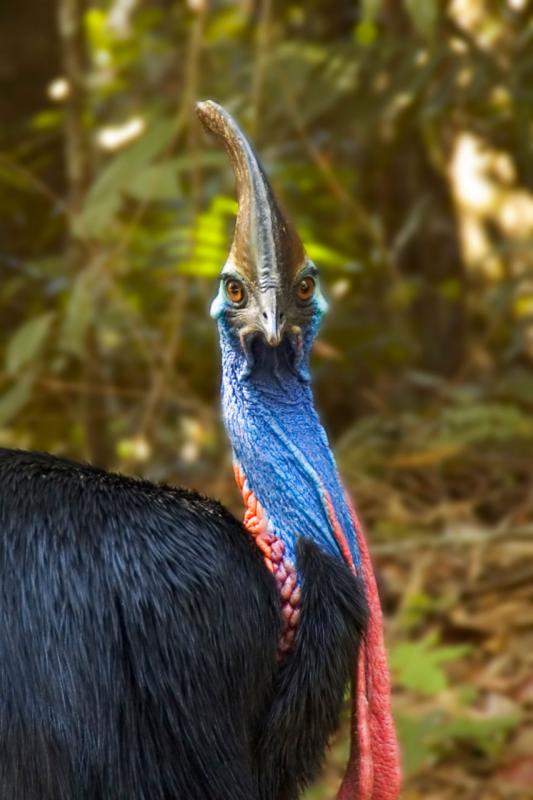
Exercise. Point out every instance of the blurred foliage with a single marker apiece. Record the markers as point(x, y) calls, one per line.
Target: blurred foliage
point(399, 134)
point(372, 106)
point(435, 732)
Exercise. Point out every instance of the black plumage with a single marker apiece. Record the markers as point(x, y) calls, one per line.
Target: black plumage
point(138, 636)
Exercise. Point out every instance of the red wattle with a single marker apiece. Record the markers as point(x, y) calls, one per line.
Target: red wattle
point(373, 771)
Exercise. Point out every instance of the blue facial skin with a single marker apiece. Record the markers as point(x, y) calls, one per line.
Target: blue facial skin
point(277, 437)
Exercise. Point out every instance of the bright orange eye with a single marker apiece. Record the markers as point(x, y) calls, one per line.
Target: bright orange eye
point(305, 289)
point(234, 290)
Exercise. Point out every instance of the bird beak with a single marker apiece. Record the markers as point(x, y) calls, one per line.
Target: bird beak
point(271, 320)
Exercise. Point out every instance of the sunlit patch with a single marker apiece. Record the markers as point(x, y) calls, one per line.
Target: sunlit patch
point(516, 215)
point(484, 186)
point(137, 449)
point(58, 90)
point(119, 18)
point(468, 169)
point(468, 12)
point(473, 16)
point(114, 137)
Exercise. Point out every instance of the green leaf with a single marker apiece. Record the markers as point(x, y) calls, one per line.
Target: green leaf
point(79, 311)
point(474, 423)
point(202, 249)
point(155, 182)
point(13, 177)
point(487, 734)
point(97, 214)
point(47, 120)
point(370, 8)
point(429, 736)
point(328, 257)
point(27, 342)
point(52, 266)
point(517, 385)
point(424, 15)
point(222, 204)
point(97, 30)
point(413, 733)
point(104, 197)
point(418, 665)
point(225, 25)
point(411, 225)
point(366, 33)
point(15, 399)
point(200, 269)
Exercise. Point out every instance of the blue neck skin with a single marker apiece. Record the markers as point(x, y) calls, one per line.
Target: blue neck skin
point(279, 443)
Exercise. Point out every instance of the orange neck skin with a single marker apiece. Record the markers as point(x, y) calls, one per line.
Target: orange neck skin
point(258, 525)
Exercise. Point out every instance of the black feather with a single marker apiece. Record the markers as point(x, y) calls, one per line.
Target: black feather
point(138, 636)
point(309, 688)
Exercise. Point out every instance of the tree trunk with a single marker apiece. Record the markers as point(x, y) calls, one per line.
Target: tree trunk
point(407, 178)
point(77, 150)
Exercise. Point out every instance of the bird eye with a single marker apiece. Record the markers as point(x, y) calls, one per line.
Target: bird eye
point(234, 291)
point(305, 289)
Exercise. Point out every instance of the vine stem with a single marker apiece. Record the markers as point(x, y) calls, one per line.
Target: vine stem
point(261, 53)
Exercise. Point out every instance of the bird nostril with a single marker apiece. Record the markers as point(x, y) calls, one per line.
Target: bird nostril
point(281, 316)
point(264, 315)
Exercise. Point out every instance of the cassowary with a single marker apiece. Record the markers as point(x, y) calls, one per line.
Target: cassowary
point(151, 646)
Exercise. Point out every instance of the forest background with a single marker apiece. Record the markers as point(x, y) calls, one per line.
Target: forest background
point(399, 133)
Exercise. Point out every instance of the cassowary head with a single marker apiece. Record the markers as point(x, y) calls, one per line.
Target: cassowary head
point(269, 289)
